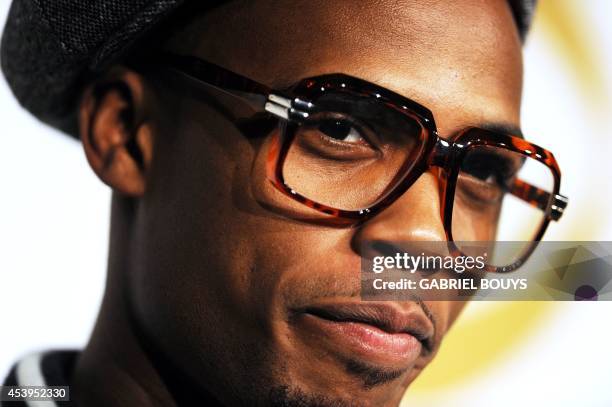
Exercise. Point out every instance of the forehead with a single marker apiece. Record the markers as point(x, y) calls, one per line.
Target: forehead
point(436, 52)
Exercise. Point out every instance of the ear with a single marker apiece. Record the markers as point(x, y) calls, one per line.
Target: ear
point(115, 132)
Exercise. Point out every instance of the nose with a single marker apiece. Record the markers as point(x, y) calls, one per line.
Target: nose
point(415, 216)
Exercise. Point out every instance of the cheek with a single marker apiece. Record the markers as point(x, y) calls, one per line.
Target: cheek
point(195, 249)
point(195, 237)
point(297, 256)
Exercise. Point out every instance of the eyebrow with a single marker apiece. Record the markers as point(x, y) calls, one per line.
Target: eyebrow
point(505, 128)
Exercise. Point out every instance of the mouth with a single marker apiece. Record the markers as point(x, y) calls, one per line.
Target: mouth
point(376, 333)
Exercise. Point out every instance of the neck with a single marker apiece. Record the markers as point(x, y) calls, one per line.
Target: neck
point(120, 366)
point(114, 370)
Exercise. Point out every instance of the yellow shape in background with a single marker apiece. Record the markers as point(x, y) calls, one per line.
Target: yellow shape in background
point(480, 342)
point(566, 27)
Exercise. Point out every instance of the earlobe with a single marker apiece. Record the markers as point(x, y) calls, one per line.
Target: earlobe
point(116, 137)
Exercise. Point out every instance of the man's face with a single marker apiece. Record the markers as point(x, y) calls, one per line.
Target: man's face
point(252, 303)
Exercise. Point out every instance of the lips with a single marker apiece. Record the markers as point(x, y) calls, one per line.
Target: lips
point(377, 333)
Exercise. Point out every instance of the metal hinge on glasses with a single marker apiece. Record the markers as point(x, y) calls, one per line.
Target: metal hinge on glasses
point(289, 109)
point(557, 207)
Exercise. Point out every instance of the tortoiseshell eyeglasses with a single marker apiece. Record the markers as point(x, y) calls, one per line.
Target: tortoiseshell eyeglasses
point(348, 149)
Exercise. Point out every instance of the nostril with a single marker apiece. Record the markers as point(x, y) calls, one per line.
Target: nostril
point(369, 249)
point(384, 248)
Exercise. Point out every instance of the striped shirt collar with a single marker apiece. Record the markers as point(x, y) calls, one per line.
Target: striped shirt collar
point(52, 368)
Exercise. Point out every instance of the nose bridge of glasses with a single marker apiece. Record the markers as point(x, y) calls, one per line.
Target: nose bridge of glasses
point(441, 152)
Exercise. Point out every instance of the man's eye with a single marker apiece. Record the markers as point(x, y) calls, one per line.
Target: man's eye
point(334, 136)
point(341, 130)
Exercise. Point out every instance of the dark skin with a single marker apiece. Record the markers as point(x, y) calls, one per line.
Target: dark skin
point(206, 271)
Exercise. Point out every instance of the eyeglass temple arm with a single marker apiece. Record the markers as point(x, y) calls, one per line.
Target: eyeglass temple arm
point(539, 198)
point(258, 96)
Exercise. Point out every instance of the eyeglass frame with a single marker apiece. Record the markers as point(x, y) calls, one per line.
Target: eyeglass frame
point(292, 106)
